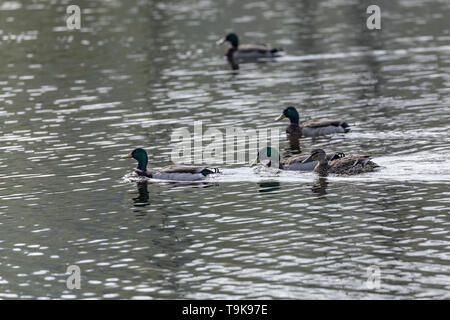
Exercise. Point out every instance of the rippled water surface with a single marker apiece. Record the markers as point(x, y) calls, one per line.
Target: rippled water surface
point(72, 102)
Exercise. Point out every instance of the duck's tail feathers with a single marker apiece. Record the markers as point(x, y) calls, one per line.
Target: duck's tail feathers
point(337, 155)
point(277, 52)
point(345, 126)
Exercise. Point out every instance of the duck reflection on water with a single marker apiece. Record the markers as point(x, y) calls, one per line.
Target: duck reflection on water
point(268, 186)
point(142, 199)
point(320, 186)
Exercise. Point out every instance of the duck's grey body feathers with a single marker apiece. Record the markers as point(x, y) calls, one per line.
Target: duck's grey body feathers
point(311, 128)
point(251, 51)
point(314, 128)
point(296, 163)
point(177, 173)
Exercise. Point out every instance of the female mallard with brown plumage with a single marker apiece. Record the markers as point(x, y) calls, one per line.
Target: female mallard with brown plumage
point(247, 52)
point(348, 165)
point(312, 128)
point(269, 157)
point(173, 172)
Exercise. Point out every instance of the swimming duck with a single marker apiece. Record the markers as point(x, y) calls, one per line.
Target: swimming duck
point(247, 52)
point(269, 156)
point(344, 166)
point(312, 128)
point(173, 172)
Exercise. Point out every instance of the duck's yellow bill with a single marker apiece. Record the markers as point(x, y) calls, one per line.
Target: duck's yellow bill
point(220, 41)
point(254, 162)
point(127, 156)
point(280, 117)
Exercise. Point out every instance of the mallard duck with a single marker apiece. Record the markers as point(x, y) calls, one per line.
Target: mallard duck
point(348, 165)
point(269, 156)
point(312, 128)
point(247, 52)
point(173, 172)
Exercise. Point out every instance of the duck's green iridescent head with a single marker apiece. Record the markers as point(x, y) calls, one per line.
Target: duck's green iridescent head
point(291, 113)
point(140, 155)
point(269, 156)
point(233, 39)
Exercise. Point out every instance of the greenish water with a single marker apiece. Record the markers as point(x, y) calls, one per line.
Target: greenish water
point(72, 102)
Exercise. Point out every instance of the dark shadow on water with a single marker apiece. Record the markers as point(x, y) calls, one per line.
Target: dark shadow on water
point(320, 186)
point(258, 61)
point(293, 148)
point(294, 143)
point(191, 184)
point(142, 200)
point(268, 186)
point(168, 236)
point(168, 239)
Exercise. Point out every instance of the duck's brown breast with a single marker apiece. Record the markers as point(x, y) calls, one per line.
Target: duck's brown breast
point(293, 130)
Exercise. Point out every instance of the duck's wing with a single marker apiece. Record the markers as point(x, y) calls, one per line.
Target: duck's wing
point(324, 123)
point(146, 173)
point(255, 51)
point(181, 169)
point(335, 155)
point(253, 47)
point(352, 164)
point(296, 158)
point(183, 173)
point(188, 169)
point(323, 127)
point(295, 163)
point(301, 157)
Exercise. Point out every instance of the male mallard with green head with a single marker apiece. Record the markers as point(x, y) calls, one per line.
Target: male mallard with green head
point(247, 52)
point(349, 165)
point(173, 172)
point(312, 128)
point(269, 156)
